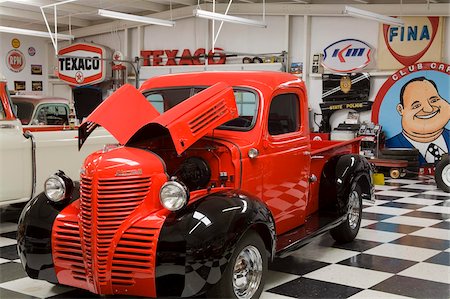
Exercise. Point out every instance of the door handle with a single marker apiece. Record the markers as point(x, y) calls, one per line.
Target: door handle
point(7, 126)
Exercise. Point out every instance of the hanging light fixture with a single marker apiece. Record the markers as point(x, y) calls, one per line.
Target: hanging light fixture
point(364, 14)
point(134, 18)
point(200, 13)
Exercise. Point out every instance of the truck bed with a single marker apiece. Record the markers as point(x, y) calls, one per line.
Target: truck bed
point(321, 152)
point(320, 146)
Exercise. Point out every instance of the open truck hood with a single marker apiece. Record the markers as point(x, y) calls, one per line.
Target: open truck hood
point(127, 113)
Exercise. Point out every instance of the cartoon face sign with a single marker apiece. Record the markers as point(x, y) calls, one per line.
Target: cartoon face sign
point(413, 109)
point(424, 112)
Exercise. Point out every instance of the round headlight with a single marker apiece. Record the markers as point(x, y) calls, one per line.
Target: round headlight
point(55, 188)
point(173, 195)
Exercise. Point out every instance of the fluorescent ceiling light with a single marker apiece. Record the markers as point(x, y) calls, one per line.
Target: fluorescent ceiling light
point(359, 13)
point(134, 18)
point(35, 33)
point(226, 18)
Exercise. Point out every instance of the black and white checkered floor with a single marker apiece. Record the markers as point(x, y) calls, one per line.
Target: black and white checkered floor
point(401, 251)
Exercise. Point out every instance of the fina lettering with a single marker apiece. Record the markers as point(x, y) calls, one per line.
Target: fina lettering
point(79, 64)
point(410, 33)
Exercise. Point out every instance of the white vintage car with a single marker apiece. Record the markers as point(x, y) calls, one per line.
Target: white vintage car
point(32, 152)
point(41, 110)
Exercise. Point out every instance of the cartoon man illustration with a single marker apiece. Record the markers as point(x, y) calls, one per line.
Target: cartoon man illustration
point(424, 117)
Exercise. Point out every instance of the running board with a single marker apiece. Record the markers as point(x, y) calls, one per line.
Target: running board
point(314, 226)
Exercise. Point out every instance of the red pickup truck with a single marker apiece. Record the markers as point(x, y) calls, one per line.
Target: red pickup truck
point(216, 175)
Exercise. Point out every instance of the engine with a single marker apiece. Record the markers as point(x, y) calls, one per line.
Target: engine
point(194, 172)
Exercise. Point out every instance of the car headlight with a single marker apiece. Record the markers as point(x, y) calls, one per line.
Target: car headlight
point(174, 195)
point(58, 187)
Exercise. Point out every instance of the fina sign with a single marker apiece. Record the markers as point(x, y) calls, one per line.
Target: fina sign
point(77, 69)
point(420, 39)
point(346, 55)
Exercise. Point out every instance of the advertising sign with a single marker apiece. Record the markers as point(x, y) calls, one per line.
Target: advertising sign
point(346, 55)
point(77, 69)
point(171, 57)
point(420, 39)
point(15, 60)
point(413, 107)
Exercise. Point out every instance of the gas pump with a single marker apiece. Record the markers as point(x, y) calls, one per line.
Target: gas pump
point(118, 76)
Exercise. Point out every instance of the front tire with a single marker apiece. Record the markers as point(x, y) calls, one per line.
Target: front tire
point(348, 229)
point(245, 274)
point(442, 174)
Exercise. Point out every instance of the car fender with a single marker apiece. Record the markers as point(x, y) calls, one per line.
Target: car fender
point(196, 243)
point(34, 235)
point(339, 174)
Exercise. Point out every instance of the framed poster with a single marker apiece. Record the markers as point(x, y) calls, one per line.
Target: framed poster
point(36, 69)
point(36, 85)
point(20, 85)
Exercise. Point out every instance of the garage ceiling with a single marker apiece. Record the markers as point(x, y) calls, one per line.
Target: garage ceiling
point(82, 14)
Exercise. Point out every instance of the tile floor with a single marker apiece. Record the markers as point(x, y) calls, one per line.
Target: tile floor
point(401, 251)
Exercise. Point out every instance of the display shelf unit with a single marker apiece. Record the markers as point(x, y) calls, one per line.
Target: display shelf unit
point(147, 72)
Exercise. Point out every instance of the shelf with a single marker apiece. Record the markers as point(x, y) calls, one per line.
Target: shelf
point(371, 74)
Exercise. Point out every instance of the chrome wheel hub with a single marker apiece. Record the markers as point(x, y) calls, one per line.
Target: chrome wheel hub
point(247, 272)
point(353, 209)
point(446, 175)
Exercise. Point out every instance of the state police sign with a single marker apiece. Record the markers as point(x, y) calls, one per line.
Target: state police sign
point(77, 69)
point(346, 55)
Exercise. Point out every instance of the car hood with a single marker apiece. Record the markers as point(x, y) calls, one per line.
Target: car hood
point(127, 113)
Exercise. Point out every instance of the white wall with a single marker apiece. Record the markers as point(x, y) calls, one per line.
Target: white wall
point(194, 33)
point(40, 58)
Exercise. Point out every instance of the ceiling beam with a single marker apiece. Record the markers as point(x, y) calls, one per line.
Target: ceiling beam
point(37, 16)
point(68, 7)
point(440, 9)
point(12, 22)
point(147, 5)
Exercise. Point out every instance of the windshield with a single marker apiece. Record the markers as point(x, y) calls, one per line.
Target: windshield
point(246, 102)
point(24, 111)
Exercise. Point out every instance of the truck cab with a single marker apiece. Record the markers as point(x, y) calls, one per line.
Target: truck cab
point(215, 175)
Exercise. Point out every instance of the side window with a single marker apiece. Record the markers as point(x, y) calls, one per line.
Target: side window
point(157, 101)
point(52, 114)
point(284, 114)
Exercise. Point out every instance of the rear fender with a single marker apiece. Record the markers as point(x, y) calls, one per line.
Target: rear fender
point(339, 174)
point(196, 243)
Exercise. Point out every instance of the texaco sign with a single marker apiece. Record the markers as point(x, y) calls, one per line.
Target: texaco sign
point(75, 67)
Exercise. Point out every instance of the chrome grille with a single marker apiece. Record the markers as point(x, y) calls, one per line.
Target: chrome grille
point(103, 210)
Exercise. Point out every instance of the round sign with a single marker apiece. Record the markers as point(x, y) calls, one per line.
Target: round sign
point(15, 43)
point(15, 60)
point(31, 51)
point(117, 55)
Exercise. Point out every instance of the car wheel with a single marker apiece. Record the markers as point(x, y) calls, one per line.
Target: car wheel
point(348, 229)
point(246, 271)
point(442, 174)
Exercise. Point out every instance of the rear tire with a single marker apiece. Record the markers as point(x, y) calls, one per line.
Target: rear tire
point(348, 229)
point(442, 174)
point(245, 274)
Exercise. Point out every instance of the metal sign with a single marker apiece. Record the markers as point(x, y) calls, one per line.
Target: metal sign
point(77, 69)
point(346, 55)
point(420, 39)
point(15, 60)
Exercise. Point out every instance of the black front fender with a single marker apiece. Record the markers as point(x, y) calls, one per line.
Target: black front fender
point(34, 235)
point(195, 244)
point(338, 176)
